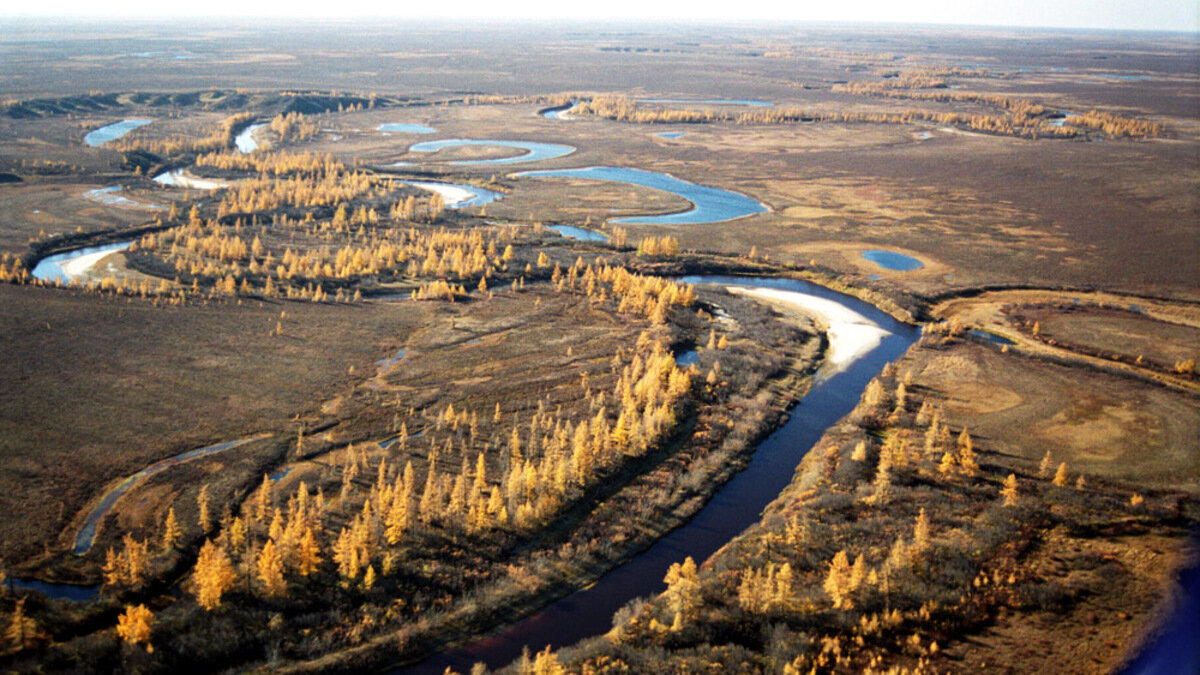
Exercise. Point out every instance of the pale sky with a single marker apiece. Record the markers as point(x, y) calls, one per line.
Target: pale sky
point(1174, 15)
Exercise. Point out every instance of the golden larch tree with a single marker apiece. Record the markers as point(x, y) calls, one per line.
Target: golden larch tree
point(134, 625)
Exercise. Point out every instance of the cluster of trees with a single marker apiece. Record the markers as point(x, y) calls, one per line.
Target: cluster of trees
point(658, 246)
point(219, 139)
point(293, 126)
point(480, 474)
point(273, 163)
point(12, 269)
point(1021, 117)
point(829, 594)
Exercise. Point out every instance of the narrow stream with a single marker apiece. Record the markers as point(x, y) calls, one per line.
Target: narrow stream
point(735, 506)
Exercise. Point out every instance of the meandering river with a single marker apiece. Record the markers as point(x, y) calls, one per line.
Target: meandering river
point(736, 506)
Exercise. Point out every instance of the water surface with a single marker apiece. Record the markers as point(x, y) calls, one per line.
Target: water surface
point(458, 195)
point(534, 151)
point(69, 592)
point(709, 205)
point(245, 141)
point(406, 128)
point(671, 134)
point(113, 131)
point(58, 267)
point(572, 232)
point(890, 260)
point(87, 534)
point(735, 506)
point(709, 101)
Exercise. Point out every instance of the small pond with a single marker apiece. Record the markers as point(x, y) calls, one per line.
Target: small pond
point(890, 260)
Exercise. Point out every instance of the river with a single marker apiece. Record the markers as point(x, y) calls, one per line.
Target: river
point(736, 506)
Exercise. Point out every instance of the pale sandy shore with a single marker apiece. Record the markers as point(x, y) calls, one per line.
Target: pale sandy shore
point(452, 195)
point(851, 335)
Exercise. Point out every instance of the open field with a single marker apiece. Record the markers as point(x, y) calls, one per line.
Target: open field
point(195, 375)
point(463, 416)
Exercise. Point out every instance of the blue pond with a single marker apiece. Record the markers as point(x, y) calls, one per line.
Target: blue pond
point(533, 151)
point(710, 205)
point(50, 268)
point(889, 260)
point(113, 131)
point(685, 359)
point(572, 232)
point(406, 128)
point(709, 101)
point(671, 134)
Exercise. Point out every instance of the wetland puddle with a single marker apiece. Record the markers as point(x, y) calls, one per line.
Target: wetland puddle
point(896, 262)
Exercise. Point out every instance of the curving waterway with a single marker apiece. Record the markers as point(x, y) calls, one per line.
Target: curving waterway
point(534, 151)
point(112, 132)
point(458, 195)
point(70, 265)
point(709, 204)
point(736, 506)
point(87, 533)
point(245, 140)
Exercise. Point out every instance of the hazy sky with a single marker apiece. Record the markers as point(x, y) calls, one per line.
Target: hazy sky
point(1176, 15)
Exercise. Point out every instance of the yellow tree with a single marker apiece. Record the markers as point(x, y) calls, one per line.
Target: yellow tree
point(21, 630)
point(171, 530)
point(309, 553)
point(683, 587)
point(1010, 490)
point(202, 508)
point(1060, 476)
point(213, 576)
point(270, 570)
point(134, 625)
point(921, 532)
point(837, 582)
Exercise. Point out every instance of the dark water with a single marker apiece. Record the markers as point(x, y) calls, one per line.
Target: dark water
point(736, 506)
point(1176, 647)
point(54, 591)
